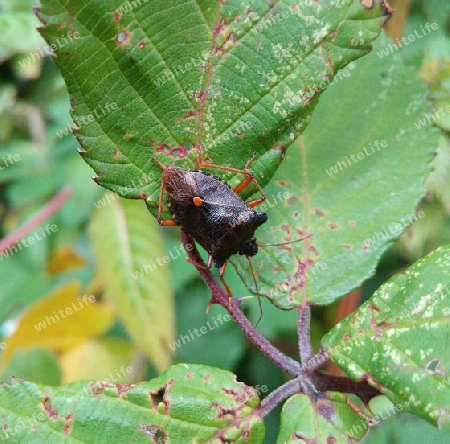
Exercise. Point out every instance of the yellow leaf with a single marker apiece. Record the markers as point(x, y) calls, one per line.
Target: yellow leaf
point(100, 359)
point(60, 321)
point(126, 241)
point(64, 259)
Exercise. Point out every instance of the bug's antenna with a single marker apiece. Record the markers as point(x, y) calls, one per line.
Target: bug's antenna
point(284, 243)
point(257, 291)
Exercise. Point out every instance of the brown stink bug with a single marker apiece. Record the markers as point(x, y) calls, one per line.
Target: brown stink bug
point(211, 212)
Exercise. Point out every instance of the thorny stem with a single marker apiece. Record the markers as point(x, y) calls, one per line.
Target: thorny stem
point(304, 334)
point(219, 296)
point(49, 209)
point(306, 377)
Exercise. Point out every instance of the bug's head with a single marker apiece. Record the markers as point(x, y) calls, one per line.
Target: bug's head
point(249, 247)
point(260, 218)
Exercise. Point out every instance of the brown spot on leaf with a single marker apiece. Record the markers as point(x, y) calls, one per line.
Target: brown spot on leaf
point(189, 375)
point(280, 148)
point(123, 388)
point(299, 276)
point(282, 183)
point(325, 409)
point(332, 226)
point(116, 153)
point(201, 96)
point(368, 4)
point(67, 429)
point(319, 213)
point(155, 432)
point(347, 246)
point(46, 405)
point(142, 44)
point(176, 153)
point(313, 250)
point(98, 388)
point(191, 114)
point(352, 223)
point(117, 16)
point(292, 200)
point(123, 37)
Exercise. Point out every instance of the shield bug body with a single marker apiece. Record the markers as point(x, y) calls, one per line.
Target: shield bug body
point(211, 212)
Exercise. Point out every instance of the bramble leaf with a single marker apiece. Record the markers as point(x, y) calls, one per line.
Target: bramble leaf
point(397, 340)
point(323, 420)
point(176, 78)
point(353, 184)
point(187, 403)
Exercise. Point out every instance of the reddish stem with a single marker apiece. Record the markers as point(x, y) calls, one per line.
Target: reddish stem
point(219, 296)
point(304, 334)
point(306, 378)
point(49, 209)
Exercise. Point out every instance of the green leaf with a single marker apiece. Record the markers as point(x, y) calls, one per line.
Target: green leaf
point(397, 340)
point(37, 364)
point(353, 185)
point(404, 429)
point(132, 265)
point(17, 29)
point(322, 421)
point(198, 331)
point(175, 78)
point(187, 403)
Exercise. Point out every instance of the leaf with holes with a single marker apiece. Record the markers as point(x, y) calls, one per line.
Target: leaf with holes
point(352, 185)
point(397, 340)
point(187, 403)
point(181, 79)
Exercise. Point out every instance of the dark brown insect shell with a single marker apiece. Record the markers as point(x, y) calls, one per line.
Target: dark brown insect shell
point(208, 209)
